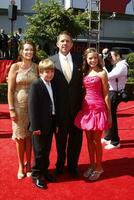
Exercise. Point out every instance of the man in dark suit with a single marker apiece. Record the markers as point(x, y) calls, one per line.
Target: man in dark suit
point(42, 110)
point(4, 44)
point(69, 86)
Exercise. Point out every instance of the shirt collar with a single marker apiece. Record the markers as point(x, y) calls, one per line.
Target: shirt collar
point(46, 82)
point(68, 56)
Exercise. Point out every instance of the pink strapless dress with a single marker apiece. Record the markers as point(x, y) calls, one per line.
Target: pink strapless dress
point(93, 115)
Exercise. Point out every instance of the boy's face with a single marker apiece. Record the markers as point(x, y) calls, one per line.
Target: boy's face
point(48, 74)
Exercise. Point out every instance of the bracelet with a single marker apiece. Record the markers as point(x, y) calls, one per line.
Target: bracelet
point(11, 108)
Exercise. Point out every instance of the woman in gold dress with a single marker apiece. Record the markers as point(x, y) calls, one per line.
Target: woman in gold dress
point(20, 76)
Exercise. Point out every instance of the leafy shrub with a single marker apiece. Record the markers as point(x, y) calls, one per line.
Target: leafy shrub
point(130, 60)
point(131, 75)
point(40, 55)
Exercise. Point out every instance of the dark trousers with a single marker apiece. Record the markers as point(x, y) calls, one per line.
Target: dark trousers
point(68, 143)
point(112, 133)
point(41, 148)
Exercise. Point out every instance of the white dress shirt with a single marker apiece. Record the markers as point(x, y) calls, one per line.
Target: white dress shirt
point(120, 72)
point(49, 88)
point(69, 58)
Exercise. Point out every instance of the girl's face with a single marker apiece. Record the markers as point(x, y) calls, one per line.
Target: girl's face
point(92, 59)
point(27, 52)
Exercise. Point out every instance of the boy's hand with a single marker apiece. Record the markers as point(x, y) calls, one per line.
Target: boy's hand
point(38, 132)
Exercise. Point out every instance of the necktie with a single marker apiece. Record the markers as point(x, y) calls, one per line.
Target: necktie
point(67, 70)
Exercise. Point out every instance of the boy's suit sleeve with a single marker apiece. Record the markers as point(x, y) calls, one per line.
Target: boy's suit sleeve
point(33, 108)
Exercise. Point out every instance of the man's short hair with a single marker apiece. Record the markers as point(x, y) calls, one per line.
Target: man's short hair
point(64, 33)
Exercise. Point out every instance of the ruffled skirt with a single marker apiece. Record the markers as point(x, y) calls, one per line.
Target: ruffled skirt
point(94, 119)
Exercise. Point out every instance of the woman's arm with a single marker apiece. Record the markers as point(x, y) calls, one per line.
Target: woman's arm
point(11, 89)
point(105, 87)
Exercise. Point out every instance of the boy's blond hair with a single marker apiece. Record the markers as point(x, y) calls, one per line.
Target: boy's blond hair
point(45, 64)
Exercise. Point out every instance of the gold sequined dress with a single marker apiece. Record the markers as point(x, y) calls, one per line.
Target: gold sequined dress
point(24, 78)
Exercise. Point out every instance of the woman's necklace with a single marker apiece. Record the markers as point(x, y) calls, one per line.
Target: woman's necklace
point(25, 66)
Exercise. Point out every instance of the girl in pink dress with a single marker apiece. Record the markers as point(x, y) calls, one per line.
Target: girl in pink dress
point(94, 116)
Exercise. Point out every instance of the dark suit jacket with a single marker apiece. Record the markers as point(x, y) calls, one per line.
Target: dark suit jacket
point(40, 106)
point(69, 94)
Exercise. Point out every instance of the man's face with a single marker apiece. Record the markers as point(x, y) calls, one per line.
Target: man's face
point(64, 44)
point(114, 58)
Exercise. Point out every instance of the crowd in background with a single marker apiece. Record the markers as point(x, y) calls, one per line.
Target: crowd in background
point(9, 44)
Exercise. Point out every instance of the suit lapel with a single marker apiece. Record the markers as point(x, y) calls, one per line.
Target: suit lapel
point(58, 65)
point(44, 88)
point(74, 68)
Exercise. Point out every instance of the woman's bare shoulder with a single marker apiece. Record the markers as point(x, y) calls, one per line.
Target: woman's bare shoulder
point(15, 67)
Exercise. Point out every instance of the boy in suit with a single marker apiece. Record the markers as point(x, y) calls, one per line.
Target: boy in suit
point(42, 112)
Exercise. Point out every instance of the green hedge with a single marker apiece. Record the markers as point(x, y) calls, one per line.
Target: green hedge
point(130, 60)
point(131, 75)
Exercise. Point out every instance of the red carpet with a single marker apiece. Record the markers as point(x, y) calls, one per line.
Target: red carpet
point(117, 182)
